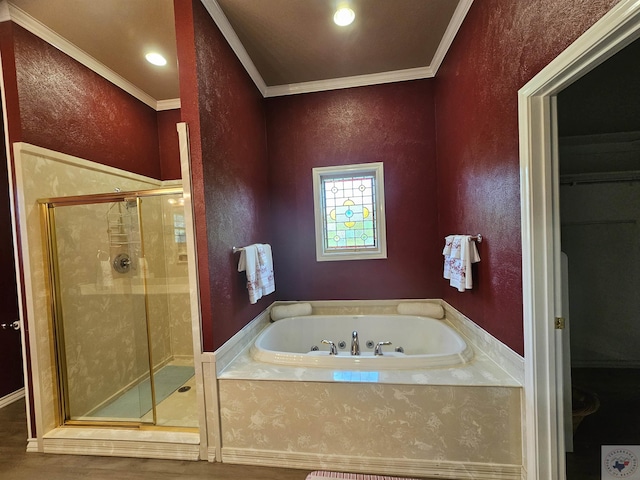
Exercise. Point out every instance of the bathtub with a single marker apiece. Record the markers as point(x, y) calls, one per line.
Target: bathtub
point(417, 342)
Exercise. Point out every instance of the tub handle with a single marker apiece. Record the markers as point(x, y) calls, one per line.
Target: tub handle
point(378, 350)
point(332, 347)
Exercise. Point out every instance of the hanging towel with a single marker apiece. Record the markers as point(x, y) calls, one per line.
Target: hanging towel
point(457, 265)
point(103, 276)
point(103, 270)
point(256, 260)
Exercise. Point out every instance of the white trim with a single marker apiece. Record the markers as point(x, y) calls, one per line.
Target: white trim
point(452, 29)
point(5, 16)
point(170, 104)
point(348, 82)
point(619, 27)
point(194, 286)
point(173, 445)
point(12, 397)
point(378, 465)
point(26, 21)
point(229, 34)
point(32, 445)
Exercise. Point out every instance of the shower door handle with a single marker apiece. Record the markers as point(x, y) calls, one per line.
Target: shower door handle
point(14, 325)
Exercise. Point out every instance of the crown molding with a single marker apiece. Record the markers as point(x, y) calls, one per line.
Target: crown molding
point(225, 27)
point(234, 42)
point(40, 30)
point(170, 104)
point(349, 82)
point(450, 33)
point(4, 11)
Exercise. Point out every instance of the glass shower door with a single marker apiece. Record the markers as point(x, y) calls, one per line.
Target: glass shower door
point(101, 313)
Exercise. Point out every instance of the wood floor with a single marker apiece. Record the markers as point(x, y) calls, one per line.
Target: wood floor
point(16, 464)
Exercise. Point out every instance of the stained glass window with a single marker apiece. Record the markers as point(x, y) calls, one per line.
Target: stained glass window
point(349, 212)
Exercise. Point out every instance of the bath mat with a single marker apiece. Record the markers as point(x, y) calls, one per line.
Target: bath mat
point(350, 476)
point(136, 401)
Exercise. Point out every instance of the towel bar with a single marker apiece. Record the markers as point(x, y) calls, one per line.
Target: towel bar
point(237, 249)
point(477, 238)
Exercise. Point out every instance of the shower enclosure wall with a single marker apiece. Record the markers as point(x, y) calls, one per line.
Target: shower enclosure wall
point(120, 308)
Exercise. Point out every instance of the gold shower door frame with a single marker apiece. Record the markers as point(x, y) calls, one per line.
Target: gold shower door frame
point(47, 216)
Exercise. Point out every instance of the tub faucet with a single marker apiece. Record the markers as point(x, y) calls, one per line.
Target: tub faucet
point(355, 344)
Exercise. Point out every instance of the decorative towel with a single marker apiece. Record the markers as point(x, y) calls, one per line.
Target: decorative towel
point(257, 261)
point(459, 253)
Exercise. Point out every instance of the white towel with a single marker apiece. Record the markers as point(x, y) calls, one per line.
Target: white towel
point(457, 265)
point(103, 275)
point(256, 260)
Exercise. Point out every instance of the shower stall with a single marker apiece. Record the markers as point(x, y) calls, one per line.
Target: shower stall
point(120, 308)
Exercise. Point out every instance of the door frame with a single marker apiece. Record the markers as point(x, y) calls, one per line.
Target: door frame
point(539, 185)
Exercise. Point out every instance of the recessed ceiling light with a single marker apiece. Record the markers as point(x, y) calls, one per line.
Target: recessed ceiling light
point(344, 16)
point(156, 59)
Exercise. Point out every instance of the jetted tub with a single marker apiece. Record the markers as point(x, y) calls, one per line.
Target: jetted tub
point(424, 342)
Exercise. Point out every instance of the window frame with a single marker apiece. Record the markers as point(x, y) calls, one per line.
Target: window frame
point(379, 251)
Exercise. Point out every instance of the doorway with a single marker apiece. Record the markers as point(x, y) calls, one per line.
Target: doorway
point(542, 301)
point(599, 148)
point(11, 373)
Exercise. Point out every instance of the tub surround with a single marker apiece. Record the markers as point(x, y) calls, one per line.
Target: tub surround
point(234, 360)
point(461, 422)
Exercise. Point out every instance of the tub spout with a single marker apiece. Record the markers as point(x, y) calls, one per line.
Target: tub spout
point(355, 344)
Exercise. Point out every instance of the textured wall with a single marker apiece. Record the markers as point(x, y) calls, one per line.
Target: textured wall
point(502, 44)
point(168, 143)
point(225, 113)
point(68, 108)
point(393, 124)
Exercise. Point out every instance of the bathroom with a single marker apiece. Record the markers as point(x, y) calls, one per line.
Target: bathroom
point(467, 181)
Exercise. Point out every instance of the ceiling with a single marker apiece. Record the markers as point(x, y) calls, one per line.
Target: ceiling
point(286, 46)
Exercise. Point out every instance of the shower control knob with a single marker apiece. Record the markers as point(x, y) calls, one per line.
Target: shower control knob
point(14, 325)
point(122, 263)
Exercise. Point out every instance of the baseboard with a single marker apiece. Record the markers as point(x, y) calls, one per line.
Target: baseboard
point(211, 455)
point(123, 443)
point(12, 397)
point(373, 465)
point(32, 445)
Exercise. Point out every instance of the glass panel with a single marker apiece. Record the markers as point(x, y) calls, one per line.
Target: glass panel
point(101, 310)
point(123, 305)
point(349, 212)
point(167, 283)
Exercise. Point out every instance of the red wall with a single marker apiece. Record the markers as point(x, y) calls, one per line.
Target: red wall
point(502, 44)
point(66, 107)
point(393, 124)
point(225, 113)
